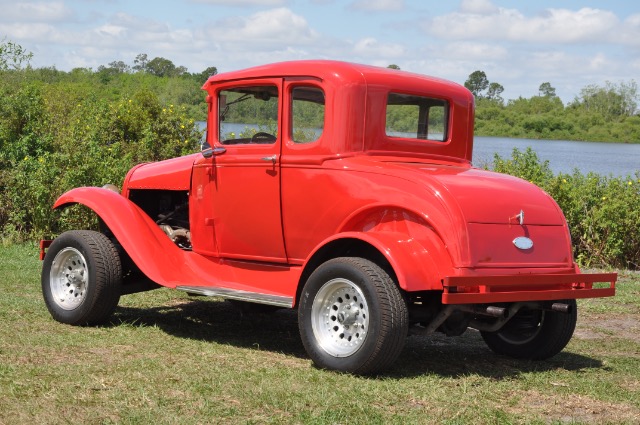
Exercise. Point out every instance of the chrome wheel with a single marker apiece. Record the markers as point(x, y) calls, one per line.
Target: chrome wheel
point(81, 278)
point(340, 317)
point(352, 316)
point(69, 277)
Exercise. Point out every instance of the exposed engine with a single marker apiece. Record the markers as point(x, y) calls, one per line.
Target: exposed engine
point(170, 210)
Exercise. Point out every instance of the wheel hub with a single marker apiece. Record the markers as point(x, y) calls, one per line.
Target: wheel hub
point(340, 317)
point(69, 278)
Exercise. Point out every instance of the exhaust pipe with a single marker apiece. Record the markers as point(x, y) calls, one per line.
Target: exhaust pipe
point(562, 308)
point(496, 311)
point(493, 311)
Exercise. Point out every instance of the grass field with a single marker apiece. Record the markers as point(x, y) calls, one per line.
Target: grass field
point(168, 359)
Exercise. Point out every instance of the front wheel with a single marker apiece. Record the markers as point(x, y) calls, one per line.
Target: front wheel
point(352, 316)
point(81, 278)
point(534, 334)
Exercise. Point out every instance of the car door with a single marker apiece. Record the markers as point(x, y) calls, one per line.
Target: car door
point(246, 183)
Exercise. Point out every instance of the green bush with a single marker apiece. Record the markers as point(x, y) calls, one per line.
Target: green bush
point(55, 137)
point(603, 212)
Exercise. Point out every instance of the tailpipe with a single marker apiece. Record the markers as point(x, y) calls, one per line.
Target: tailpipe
point(494, 311)
point(562, 308)
point(491, 310)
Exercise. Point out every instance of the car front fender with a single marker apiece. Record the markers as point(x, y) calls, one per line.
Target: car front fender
point(149, 248)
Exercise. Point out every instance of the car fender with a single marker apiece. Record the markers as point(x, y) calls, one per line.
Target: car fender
point(149, 248)
point(418, 265)
point(422, 257)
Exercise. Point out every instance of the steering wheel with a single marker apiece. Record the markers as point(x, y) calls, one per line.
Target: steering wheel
point(262, 137)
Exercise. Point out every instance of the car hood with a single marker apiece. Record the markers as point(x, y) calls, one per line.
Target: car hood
point(170, 174)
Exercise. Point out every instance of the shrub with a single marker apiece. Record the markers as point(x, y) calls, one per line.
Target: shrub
point(603, 212)
point(61, 136)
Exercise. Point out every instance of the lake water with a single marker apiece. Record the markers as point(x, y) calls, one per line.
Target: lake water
point(617, 159)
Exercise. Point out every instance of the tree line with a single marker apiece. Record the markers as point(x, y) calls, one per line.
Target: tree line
point(603, 113)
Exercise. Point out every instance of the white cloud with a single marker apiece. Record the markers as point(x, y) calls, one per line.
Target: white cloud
point(598, 62)
point(378, 5)
point(35, 12)
point(478, 20)
point(37, 33)
point(469, 50)
point(566, 26)
point(629, 32)
point(480, 7)
point(370, 47)
point(278, 27)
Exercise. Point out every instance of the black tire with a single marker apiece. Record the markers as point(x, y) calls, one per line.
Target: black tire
point(352, 317)
point(534, 334)
point(81, 278)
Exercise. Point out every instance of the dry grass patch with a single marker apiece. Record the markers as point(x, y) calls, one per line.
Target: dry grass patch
point(572, 408)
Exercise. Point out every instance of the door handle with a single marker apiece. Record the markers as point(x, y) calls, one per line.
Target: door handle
point(271, 158)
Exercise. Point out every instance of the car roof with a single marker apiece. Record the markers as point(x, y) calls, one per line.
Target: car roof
point(329, 70)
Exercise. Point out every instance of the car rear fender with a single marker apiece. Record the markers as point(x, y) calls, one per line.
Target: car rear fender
point(418, 265)
point(407, 238)
point(149, 248)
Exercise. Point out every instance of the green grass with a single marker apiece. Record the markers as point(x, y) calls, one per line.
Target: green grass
point(168, 358)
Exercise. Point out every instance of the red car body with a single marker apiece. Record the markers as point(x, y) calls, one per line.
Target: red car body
point(264, 213)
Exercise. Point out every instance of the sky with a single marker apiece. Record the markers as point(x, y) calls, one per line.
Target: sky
point(518, 44)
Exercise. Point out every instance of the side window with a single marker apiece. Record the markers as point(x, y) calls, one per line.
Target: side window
point(248, 114)
point(307, 111)
point(417, 117)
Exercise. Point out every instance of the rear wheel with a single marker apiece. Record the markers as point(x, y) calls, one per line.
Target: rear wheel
point(534, 334)
point(81, 278)
point(352, 316)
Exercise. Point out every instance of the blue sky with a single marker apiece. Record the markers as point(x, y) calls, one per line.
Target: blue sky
point(519, 44)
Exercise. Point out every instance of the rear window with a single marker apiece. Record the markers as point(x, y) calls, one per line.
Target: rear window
point(416, 117)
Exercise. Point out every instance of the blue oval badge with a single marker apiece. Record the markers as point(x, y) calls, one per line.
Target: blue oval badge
point(523, 243)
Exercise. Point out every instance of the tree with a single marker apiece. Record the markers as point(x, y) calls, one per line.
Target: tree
point(140, 63)
point(114, 68)
point(546, 90)
point(610, 101)
point(12, 55)
point(161, 67)
point(477, 83)
point(394, 66)
point(120, 67)
point(494, 93)
point(204, 75)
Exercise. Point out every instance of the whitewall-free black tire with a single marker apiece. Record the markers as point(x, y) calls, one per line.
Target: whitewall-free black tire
point(81, 278)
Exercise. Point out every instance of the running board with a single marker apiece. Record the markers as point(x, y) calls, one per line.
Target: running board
point(235, 294)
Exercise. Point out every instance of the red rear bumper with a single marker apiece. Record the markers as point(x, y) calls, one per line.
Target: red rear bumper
point(543, 287)
point(44, 244)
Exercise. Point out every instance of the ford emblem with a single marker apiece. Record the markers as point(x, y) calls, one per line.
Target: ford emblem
point(523, 243)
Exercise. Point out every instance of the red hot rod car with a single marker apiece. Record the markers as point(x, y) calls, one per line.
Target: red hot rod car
point(347, 192)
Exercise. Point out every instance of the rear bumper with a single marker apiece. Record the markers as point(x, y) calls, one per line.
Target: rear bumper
point(542, 287)
point(44, 244)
